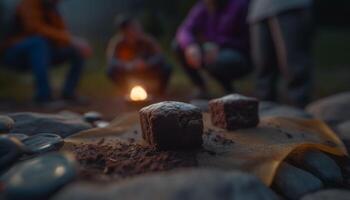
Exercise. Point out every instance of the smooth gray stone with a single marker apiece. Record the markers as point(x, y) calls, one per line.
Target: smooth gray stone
point(35, 123)
point(334, 109)
point(6, 124)
point(270, 109)
point(334, 194)
point(293, 183)
point(92, 117)
point(10, 152)
point(343, 131)
point(38, 178)
point(42, 143)
point(320, 165)
point(18, 136)
point(198, 184)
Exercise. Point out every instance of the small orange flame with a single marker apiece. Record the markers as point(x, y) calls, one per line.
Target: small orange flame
point(138, 93)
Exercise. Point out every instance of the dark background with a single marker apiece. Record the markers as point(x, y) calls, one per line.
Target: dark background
point(94, 19)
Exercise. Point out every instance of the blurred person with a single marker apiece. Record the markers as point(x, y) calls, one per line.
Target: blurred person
point(133, 54)
point(214, 37)
point(281, 37)
point(39, 39)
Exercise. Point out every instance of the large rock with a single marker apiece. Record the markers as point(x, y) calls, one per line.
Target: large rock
point(35, 123)
point(6, 124)
point(343, 131)
point(318, 164)
point(270, 109)
point(38, 178)
point(334, 109)
point(329, 195)
point(293, 183)
point(178, 185)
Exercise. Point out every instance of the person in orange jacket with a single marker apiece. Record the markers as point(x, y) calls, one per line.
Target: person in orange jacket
point(40, 39)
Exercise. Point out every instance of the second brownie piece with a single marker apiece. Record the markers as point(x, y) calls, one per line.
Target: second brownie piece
point(234, 112)
point(172, 125)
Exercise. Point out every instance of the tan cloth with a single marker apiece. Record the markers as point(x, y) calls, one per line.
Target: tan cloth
point(258, 150)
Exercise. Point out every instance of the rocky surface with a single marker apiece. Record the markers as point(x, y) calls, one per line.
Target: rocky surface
point(334, 109)
point(270, 109)
point(293, 182)
point(179, 185)
point(333, 194)
point(318, 164)
point(34, 123)
point(6, 124)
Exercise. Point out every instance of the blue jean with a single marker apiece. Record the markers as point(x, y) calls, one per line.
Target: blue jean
point(38, 54)
point(229, 66)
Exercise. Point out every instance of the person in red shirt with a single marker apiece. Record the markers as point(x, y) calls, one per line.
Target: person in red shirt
point(133, 54)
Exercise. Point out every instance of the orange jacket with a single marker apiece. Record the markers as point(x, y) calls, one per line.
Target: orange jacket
point(34, 19)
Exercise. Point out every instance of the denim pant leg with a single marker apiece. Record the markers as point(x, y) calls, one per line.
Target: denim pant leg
point(229, 66)
point(77, 63)
point(296, 30)
point(265, 61)
point(35, 53)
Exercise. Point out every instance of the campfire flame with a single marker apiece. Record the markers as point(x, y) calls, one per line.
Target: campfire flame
point(138, 93)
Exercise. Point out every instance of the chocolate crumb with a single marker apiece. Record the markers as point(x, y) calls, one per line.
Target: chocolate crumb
point(121, 160)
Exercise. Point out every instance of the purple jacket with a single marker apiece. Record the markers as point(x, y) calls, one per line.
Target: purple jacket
point(227, 27)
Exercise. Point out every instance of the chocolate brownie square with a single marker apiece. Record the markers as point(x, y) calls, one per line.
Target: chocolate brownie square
point(234, 112)
point(172, 125)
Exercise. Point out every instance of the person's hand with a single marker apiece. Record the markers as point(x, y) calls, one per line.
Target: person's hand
point(193, 56)
point(211, 52)
point(83, 47)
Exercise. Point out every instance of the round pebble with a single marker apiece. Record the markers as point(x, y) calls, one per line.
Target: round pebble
point(39, 178)
point(92, 117)
point(18, 136)
point(101, 124)
point(9, 152)
point(43, 143)
point(6, 124)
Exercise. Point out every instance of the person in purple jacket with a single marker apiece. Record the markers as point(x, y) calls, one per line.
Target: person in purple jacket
point(214, 37)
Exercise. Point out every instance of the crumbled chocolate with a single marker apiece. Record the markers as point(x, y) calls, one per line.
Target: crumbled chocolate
point(120, 160)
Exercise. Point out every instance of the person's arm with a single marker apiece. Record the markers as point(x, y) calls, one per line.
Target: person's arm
point(33, 22)
point(185, 34)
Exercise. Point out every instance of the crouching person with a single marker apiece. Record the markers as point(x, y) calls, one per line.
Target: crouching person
point(135, 56)
point(214, 38)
